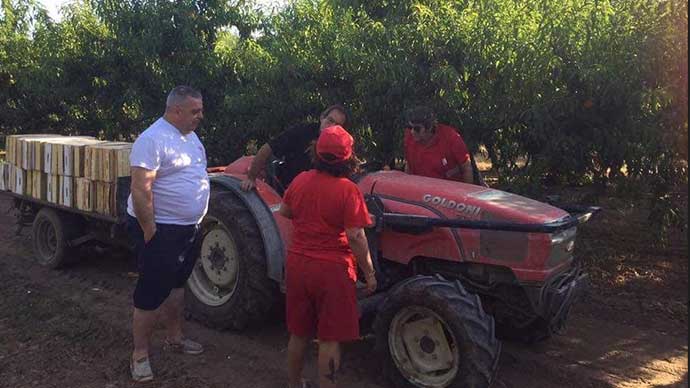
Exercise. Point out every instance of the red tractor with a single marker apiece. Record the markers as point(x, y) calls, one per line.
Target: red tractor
point(456, 264)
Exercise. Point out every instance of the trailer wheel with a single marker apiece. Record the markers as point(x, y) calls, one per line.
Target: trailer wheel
point(51, 232)
point(229, 287)
point(433, 333)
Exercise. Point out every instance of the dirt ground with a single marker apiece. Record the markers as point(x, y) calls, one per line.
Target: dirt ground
point(71, 328)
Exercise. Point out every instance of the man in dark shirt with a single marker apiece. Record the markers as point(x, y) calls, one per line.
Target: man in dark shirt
point(292, 145)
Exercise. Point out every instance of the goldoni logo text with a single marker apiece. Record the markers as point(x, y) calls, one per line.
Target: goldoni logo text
point(460, 207)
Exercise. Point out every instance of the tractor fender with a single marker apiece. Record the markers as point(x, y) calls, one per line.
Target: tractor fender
point(274, 248)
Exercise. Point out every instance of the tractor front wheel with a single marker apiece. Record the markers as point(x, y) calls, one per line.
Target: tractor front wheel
point(432, 333)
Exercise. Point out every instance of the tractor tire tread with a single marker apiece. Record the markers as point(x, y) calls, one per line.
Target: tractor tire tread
point(258, 294)
point(449, 299)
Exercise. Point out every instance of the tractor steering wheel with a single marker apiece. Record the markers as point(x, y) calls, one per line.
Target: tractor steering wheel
point(272, 167)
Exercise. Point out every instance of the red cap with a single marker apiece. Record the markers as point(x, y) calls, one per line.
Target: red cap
point(336, 141)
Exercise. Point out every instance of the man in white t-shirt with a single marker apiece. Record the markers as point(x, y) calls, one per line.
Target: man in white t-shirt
point(169, 198)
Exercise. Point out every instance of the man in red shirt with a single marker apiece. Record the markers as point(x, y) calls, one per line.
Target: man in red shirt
point(328, 214)
point(435, 150)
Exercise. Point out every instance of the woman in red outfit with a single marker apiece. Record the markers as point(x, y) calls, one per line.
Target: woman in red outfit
point(328, 244)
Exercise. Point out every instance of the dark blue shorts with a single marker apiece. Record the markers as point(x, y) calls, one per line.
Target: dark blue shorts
point(164, 263)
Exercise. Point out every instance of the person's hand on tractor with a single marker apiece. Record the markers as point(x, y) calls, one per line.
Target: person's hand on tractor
point(360, 248)
point(258, 164)
point(453, 172)
point(248, 184)
point(370, 279)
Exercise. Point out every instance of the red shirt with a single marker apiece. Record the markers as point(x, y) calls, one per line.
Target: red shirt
point(322, 207)
point(445, 151)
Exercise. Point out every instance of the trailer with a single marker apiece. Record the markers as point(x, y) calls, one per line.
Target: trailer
point(58, 230)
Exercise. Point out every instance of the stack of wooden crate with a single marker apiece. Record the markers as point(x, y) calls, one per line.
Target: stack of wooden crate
point(103, 164)
point(74, 171)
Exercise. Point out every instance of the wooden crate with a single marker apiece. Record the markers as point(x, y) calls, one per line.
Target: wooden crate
point(50, 161)
point(11, 177)
point(84, 194)
point(11, 149)
point(56, 155)
point(52, 189)
point(59, 157)
point(15, 148)
point(119, 163)
point(66, 197)
point(75, 171)
point(38, 184)
point(92, 163)
point(19, 181)
point(53, 157)
point(21, 151)
point(39, 181)
point(23, 163)
point(28, 180)
point(74, 152)
point(107, 161)
point(101, 202)
point(105, 198)
point(42, 152)
point(73, 155)
point(35, 150)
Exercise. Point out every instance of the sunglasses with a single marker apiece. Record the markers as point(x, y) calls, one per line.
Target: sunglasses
point(417, 128)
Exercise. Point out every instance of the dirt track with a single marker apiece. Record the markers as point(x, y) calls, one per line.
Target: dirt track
point(71, 328)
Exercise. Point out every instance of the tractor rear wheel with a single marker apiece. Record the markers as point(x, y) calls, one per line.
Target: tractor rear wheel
point(229, 287)
point(433, 333)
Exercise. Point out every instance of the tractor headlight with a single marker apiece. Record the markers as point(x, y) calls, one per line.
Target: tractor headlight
point(562, 246)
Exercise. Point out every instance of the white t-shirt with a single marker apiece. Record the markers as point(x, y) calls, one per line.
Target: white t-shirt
point(181, 189)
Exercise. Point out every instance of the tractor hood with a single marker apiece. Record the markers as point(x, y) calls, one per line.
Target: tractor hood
point(455, 200)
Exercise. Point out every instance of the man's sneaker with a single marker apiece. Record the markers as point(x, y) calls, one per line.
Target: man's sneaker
point(141, 370)
point(186, 346)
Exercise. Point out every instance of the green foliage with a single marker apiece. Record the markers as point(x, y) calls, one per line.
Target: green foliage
point(558, 91)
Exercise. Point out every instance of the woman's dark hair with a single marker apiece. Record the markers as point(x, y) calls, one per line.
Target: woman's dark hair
point(339, 108)
point(341, 169)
